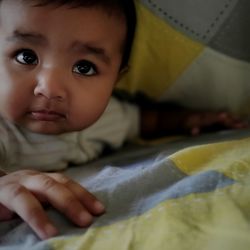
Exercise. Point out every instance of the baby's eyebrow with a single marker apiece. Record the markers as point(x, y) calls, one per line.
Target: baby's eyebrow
point(88, 48)
point(31, 37)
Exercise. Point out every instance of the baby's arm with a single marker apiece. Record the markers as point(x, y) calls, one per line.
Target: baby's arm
point(197, 122)
point(168, 120)
point(24, 191)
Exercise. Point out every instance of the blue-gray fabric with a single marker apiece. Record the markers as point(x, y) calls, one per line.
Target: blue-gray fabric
point(220, 24)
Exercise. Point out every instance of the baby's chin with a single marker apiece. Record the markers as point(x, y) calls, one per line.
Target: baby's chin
point(47, 127)
point(51, 128)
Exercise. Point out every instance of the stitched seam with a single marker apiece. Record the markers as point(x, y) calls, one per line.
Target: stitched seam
point(186, 27)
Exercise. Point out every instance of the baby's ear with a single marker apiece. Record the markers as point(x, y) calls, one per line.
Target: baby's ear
point(124, 69)
point(122, 72)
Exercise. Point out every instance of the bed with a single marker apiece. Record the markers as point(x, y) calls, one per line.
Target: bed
point(183, 193)
point(175, 193)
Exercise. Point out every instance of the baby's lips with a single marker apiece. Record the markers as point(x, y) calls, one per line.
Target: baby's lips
point(44, 115)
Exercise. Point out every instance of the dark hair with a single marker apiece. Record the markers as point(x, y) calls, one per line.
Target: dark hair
point(125, 7)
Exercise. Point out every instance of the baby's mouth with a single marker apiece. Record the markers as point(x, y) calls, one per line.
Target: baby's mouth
point(47, 115)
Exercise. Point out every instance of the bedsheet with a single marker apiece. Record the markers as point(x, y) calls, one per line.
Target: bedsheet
point(183, 194)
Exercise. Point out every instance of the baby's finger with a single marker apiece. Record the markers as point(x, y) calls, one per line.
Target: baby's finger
point(5, 213)
point(240, 125)
point(210, 118)
point(227, 119)
point(17, 198)
point(60, 198)
point(232, 121)
point(88, 200)
point(195, 131)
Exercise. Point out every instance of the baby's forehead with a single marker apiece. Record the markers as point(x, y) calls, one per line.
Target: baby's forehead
point(74, 30)
point(109, 6)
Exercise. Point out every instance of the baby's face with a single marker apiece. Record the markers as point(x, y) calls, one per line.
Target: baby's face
point(58, 65)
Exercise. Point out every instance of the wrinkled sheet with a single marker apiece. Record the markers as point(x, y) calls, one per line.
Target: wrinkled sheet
point(191, 193)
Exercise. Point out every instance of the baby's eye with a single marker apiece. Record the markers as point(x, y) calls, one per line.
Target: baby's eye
point(26, 56)
point(85, 68)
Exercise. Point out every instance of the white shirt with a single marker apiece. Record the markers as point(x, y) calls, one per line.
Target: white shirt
point(22, 149)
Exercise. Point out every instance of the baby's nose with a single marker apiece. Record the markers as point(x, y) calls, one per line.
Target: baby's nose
point(50, 84)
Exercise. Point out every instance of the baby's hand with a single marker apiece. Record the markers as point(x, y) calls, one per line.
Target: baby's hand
point(202, 121)
point(24, 191)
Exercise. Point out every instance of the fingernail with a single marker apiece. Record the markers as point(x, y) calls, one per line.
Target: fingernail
point(99, 208)
point(50, 231)
point(85, 219)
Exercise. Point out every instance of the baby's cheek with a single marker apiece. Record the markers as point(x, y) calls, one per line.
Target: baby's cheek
point(4, 104)
point(13, 108)
point(86, 116)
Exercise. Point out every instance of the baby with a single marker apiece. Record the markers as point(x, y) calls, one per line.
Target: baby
point(59, 62)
